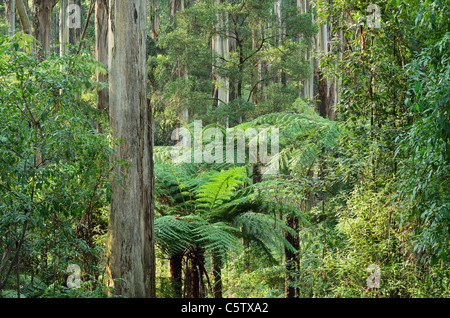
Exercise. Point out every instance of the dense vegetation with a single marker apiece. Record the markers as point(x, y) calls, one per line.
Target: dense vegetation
point(363, 161)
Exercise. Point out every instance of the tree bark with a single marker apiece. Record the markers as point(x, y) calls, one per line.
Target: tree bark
point(42, 18)
point(131, 253)
point(101, 50)
point(12, 18)
point(176, 269)
point(221, 48)
point(291, 258)
point(155, 19)
point(75, 33)
point(63, 28)
point(7, 9)
point(308, 84)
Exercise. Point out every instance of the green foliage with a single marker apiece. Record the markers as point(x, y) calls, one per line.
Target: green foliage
point(426, 150)
point(370, 230)
point(368, 188)
point(52, 160)
point(259, 282)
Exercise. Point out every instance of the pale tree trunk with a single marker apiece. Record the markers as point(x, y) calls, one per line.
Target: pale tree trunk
point(63, 28)
point(12, 18)
point(70, 24)
point(101, 50)
point(327, 86)
point(338, 81)
point(23, 16)
point(174, 7)
point(75, 32)
point(321, 49)
point(131, 253)
point(221, 48)
point(279, 33)
point(185, 109)
point(308, 84)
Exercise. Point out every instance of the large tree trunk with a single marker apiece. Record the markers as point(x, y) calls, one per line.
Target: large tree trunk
point(23, 16)
point(131, 253)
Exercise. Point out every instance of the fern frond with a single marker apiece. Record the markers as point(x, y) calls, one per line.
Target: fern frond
point(264, 228)
point(218, 238)
point(221, 187)
point(173, 234)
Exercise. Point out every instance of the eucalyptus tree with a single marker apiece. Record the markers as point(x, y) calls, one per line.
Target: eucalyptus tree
point(218, 55)
point(131, 255)
point(23, 16)
point(101, 50)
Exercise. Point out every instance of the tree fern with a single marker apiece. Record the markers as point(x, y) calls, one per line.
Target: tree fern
point(264, 229)
point(221, 187)
point(173, 235)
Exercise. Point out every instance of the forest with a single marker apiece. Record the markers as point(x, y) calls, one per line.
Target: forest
point(224, 149)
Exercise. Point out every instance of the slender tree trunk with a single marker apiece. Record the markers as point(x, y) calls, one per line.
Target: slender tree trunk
point(7, 9)
point(101, 50)
point(221, 48)
point(63, 28)
point(12, 18)
point(131, 253)
point(308, 84)
point(155, 19)
point(216, 264)
point(291, 258)
point(323, 95)
point(75, 32)
point(176, 268)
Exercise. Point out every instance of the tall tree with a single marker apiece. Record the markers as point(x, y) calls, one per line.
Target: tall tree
point(131, 254)
point(12, 18)
point(155, 19)
point(75, 30)
point(221, 48)
point(101, 49)
point(23, 16)
point(308, 84)
point(63, 28)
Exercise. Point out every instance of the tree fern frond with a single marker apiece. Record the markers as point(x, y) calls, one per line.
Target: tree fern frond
point(173, 234)
point(221, 186)
point(265, 228)
point(218, 238)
